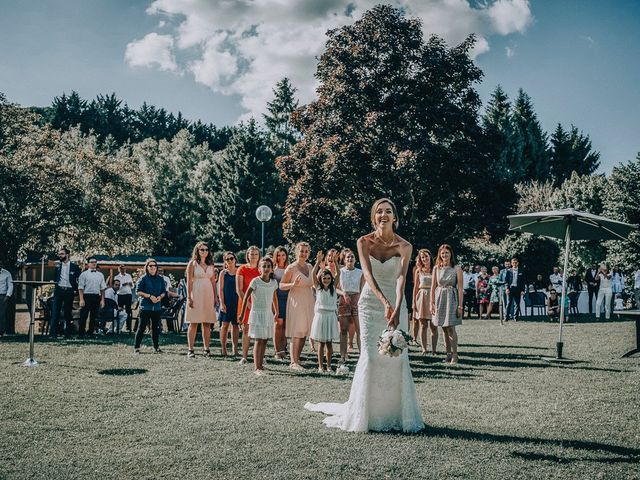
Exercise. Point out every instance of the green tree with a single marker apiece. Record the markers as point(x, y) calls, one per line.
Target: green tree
point(622, 202)
point(571, 152)
point(246, 178)
point(501, 197)
point(68, 111)
point(278, 121)
point(527, 152)
point(395, 116)
point(169, 167)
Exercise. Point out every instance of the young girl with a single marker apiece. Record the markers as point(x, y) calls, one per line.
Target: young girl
point(324, 328)
point(351, 283)
point(264, 308)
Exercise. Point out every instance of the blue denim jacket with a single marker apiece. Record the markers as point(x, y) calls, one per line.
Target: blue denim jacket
point(151, 285)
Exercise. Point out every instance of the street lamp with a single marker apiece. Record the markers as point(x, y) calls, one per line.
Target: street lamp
point(263, 214)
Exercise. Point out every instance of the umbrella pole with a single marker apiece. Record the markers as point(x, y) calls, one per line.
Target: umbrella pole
point(567, 244)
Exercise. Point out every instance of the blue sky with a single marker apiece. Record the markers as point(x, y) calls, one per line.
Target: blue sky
point(577, 59)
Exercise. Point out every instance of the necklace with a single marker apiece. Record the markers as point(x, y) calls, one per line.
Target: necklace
point(385, 242)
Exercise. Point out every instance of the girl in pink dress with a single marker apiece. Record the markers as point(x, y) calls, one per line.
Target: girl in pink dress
point(201, 295)
point(300, 303)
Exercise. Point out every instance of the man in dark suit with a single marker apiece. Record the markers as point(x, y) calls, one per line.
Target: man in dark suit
point(66, 279)
point(593, 284)
point(515, 285)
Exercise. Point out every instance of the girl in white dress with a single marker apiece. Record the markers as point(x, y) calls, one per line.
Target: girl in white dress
point(383, 396)
point(264, 308)
point(324, 328)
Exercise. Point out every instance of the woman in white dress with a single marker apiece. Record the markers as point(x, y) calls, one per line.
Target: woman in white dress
point(383, 396)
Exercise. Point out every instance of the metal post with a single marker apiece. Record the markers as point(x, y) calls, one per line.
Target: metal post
point(262, 244)
point(567, 245)
point(31, 362)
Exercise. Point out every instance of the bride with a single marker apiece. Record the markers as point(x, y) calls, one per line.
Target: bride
point(383, 395)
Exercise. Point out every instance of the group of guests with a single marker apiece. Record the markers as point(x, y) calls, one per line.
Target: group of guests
point(486, 293)
point(272, 298)
point(483, 293)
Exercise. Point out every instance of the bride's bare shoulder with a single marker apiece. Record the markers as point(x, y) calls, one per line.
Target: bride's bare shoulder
point(402, 243)
point(368, 238)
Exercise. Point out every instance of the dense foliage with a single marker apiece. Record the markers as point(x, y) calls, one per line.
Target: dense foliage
point(396, 115)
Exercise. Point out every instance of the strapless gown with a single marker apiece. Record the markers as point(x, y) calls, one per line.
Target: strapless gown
point(383, 396)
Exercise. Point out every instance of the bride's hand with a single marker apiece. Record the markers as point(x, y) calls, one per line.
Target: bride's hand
point(394, 320)
point(388, 311)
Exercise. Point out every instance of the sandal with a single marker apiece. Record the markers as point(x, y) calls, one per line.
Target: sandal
point(206, 353)
point(447, 359)
point(191, 354)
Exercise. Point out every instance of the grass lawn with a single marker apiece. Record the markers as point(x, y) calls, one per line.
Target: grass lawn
point(92, 409)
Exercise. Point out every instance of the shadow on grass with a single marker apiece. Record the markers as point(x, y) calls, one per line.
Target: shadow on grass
point(122, 372)
point(488, 345)
point(631, 455)
point(531, 456)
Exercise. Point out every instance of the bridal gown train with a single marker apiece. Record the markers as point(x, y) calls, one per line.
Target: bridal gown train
point(383, 395)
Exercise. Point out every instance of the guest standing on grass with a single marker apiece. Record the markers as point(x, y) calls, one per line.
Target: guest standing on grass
point(67, 274)
point(91, 287)
point(422, 300)
point(494, 290)
point(446, 299)
point(229, 304)
point(483, 293)
point(324, 327)
point(351, 283)
point(281, 257)
point(300, 303)
point(574, 287)
point(354, 332)
point(6, 290)
point(605, 292)
point(593, 284)
point(264, 307)
point(515, 282)
point(125, 297)
point(636, 288)
point(150, 289)
point(244, 275)
point(201, 297)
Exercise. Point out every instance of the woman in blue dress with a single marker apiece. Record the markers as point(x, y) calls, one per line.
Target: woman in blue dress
point(281, 260)
point(229, 304)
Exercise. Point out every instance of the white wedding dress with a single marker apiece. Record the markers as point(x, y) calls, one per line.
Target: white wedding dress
point(383, 395)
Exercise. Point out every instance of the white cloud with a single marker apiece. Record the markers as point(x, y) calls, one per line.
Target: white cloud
point(152, 50)
point(510, 51)
point(244, 47)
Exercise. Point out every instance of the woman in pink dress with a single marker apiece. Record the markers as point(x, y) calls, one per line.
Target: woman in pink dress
point(300, 303)
point(201, 295)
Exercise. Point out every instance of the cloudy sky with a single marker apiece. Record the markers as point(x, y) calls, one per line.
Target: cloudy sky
point(217, 60)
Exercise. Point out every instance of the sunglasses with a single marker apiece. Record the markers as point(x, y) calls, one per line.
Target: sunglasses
point(203, 249)
point(153, 266)
point(229, 259)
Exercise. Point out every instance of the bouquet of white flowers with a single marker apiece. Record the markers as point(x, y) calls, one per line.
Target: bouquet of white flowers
point(392, 342)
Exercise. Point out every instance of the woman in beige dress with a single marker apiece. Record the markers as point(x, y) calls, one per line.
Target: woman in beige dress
point(300, 303)
point(201, 297)
point(446, 299)
point(422, 300)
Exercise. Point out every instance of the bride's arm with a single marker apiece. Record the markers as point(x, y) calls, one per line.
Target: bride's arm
point(405, 258)
point(365, 262)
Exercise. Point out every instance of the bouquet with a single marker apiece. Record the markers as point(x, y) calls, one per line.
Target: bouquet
point(392, 342)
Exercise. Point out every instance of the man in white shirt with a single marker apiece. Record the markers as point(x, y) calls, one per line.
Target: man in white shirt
point(636, 288)
point(91, 287)
point(125, 296)
point(469, 280)
point(556, 279)
point(6, 290)
point(118, 313)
